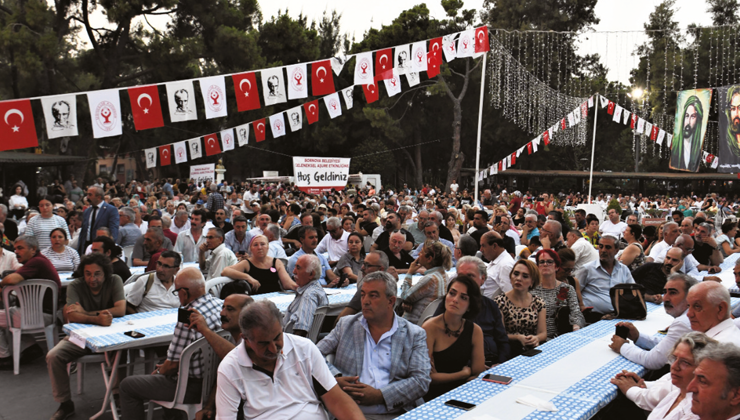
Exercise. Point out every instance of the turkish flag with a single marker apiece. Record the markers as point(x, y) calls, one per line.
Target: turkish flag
point(710, 158)
point(481, 40)
point(513, 159)
point(259, 129)
point(501, 166)
point(434, 57)
point(529, 148)
point(384, 64)
point(633, 121)
point(546, 137)
point(312, 111)
point(322, 80)
point(371, 92)
point(145, 107)
point(584, 110)
point(610, 108)
point(562, 124)
point(212, 146)
point(245, 89)
point(654, 133)
point(18, 130)
point(165, 155)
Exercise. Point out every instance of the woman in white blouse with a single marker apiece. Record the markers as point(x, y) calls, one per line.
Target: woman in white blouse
point(18, 203)
point(62, 257)
point(677, 404)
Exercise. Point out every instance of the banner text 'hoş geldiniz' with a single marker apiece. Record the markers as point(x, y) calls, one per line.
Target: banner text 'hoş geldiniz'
point(316, 174)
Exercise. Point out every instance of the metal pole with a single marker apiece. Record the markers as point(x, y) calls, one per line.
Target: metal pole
point(480, 122)
point(593, 148)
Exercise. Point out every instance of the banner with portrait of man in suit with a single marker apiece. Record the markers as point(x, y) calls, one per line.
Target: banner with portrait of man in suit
point(692, 113)
point(729, 129)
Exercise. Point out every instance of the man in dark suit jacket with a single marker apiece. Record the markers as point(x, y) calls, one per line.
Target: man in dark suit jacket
point(105, 216)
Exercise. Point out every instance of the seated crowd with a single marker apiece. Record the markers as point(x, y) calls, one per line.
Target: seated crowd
point(444, 291)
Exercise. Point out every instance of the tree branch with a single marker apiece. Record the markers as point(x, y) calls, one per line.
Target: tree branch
point(88, 29)
point(5, 9)
point(132, 76)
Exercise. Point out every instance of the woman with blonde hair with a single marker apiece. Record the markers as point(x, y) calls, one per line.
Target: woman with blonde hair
point(435, 257)
point(263, 273)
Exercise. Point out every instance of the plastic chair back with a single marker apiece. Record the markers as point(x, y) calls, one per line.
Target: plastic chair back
point(214, 285)
point(127, 251)
point(30, 294)
point(429, 310)
point(318, 320)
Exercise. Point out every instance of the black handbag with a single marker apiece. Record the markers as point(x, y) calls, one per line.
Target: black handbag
point(562, 320)
point(628, 300)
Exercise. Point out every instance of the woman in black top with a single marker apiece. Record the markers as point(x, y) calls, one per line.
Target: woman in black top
point(263, 273)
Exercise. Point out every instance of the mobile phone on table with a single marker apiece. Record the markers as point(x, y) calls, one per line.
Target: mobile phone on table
point(622, 331)
point(504, 380)
point(183, 315)
point(531, 352)
point(134, 334)
point(460, 404)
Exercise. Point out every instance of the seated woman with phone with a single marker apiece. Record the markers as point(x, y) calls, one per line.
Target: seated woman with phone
point(524, 314)
point(455, 343)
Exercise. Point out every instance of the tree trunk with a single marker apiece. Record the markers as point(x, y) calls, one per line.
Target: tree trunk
point(419, 170)
point(457, 158)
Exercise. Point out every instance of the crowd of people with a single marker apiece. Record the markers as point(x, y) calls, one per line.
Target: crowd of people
point(447, 286)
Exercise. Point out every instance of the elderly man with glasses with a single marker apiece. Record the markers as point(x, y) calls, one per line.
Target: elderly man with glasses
point(335, 243)
point(154, 292)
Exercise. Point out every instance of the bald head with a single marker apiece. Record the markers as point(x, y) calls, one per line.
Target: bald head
point(190, 285)
point(709, 304)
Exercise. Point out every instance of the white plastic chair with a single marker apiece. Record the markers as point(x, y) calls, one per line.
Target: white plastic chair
point(127, 251)
point(210, 366)
point(318, 320)
point(518, 250)
point(30, 294)
point(429, 310)
point(214, 285)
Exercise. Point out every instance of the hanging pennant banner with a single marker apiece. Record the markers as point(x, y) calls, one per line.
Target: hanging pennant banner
point(322, 81)
point(151, 157)
point(669, 139)
point(648, 128)
point(729, 129)
point(449, 48)
point(298, 82)
point(273, 86)
point(17, 127)
point(535, 144)
point(227, 139)
point(312, 111)
point(576, 116)
point(492, 170)
point(245, 89)
point(60, 115)
point(105, 110)
point(181, 152)
point(384, 64)
point(295, 118)
point(259, 130)
point(481, 40)
point(212, 146)
point(584, 110)
point(277, 124)
point(591, 102)
point(371, 92)
point(314, 175)
point(466, 44)
point(633, 121)
point(654, 133)
point(333, 105)
point(610, 108)
point(196, 152)
point(661, 136)
point(571, 119)
point(213, 90)
point(413, 78)
point(640, 126)
point(401, 59)
point(181, 101)
point(617, 114)
point(165, 155)
point(562, 124)
point(546, 137)
point(242, 134)
point(419, 56)
point(145, 107)
point(626, 116)
point(349, 96)
point(512, 159)
point(604, 101)
point(364, 68)
point(434, 57)
point(200, 174)
point(692, 114)
point(337, 63)
point(393, 85)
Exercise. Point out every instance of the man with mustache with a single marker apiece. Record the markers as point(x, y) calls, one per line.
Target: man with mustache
point(647, 349)
point(653, 276)
point(686, 148)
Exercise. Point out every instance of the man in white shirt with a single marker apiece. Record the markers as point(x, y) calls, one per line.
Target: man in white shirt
point(250, 195)
point(670, 233)
point(613, 226)
point(218, 256)
point(335, 243)
point(189, 241)
point(154, 292)
point(649, 350)
point(585, 252)
point(499, 267)
point(181, 222)
point(276, 250)
point(287, 376)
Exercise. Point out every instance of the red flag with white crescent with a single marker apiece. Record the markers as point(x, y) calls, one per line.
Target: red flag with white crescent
point(17, 129)
point(633, 121)
point(610, 108)
point(434, 57)
point(145, 107)
point(322, 80)
point(212, 146)
point(481, 40)
point(245, 89)
point(259, 130)
point(312, 111)
point(654, 133)
point(165, 155)
point(371, 92)
point(529, 148)
point(513, 159)
point(546, 137)
point(384, 64)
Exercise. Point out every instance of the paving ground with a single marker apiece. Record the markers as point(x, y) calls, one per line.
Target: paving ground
point(27, 396)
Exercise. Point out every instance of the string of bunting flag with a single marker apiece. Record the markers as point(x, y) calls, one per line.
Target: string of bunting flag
point(60, 111)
